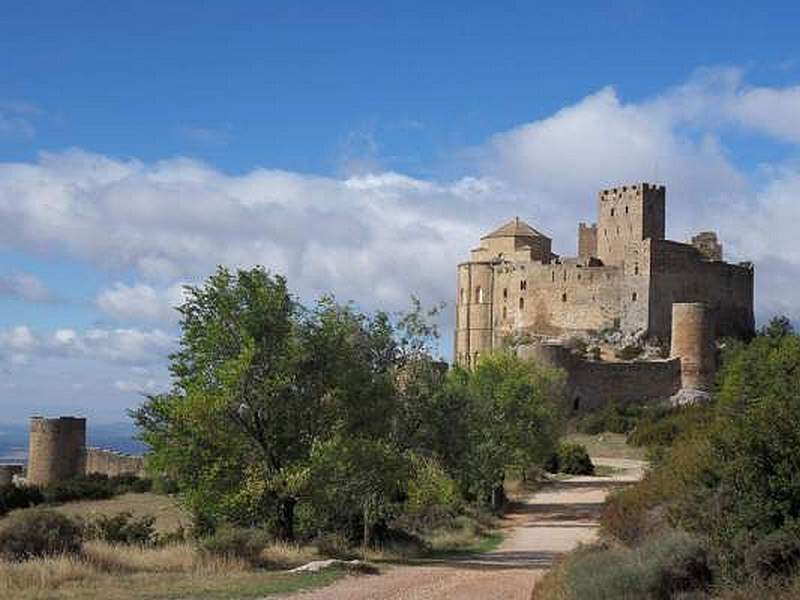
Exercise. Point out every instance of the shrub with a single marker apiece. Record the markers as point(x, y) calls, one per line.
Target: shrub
point(37, 533)
point(430, 489)
point(13, 497)
point(665, 567)
point(122, 528)
point(614, 418)
point(774, 556)
point(234, 542)
point(164, 485)
point(86, 487)
point(572, 459)
point(123, 484)
point(630, 352)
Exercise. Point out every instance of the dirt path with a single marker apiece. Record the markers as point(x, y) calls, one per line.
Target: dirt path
point(551, 522)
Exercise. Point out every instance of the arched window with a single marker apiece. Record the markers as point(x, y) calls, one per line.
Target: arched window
point(564, 297)
point(612, 212)
point(523, 285)
point(505, 293)
point(636, 269)
point(522, 303)
point(505, 313)
point(634, 296)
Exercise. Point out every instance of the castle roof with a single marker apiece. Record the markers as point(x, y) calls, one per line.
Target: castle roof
point(514, 228)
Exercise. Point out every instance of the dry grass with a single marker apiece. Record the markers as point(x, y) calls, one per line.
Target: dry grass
point(116, 572)
point(286, 555)
point(168, 514)
point(608, 445)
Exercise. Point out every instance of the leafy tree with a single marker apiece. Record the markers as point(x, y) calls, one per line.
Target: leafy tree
point(257, 381)
point(515, 419)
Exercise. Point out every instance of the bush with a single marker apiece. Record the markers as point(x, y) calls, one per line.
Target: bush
point(614, 418)
point(122, 528)
point(86, 487)
point(430, 489)
point(572, 459)
point(37, 533)
point(774, 556)
point(123, 484)
point(13, 497)
point(630, 352)
point(234, 542)
point(666, 566)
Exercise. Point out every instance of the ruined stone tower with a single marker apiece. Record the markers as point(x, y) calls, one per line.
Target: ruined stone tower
point(693, 344)
point(56, 449)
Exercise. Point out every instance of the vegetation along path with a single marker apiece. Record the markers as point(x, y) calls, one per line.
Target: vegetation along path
point(546, 525)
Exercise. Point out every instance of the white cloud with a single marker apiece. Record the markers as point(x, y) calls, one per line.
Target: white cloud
point(378, 237)
point(141, 302)
point(25, 286)
point(127, 346)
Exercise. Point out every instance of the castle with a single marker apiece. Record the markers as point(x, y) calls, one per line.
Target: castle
point(626, 277)
point(57, 451)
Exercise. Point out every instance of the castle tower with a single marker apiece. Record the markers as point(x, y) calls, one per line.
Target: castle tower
point(473, 312)
point(630, 213)
point(693, 344)
point(56, 449)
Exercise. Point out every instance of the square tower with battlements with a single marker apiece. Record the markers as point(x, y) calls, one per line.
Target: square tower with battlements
point(629, 213)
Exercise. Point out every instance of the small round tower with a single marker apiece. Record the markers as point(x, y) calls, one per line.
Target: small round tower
point(693, 344)
point(56, 449)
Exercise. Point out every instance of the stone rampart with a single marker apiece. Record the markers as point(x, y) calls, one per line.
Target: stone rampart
point(595, 384)
point(111, 463)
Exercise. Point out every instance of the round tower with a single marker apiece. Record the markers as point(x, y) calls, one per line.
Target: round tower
point(56, 449)
point(474, 312)
point(693, 344)
point(549, 355)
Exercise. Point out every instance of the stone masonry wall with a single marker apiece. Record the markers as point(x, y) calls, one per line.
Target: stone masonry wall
point(678, 274)
point(593, 385)
point(111, 463)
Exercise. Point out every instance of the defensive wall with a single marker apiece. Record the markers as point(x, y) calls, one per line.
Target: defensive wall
point(594, 384)
point(591, 385)
point(57, 451)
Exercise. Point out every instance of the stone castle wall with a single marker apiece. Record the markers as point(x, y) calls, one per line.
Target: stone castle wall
point(57, 451)
point(679, 274)
point(592, 385)
point(111, 463)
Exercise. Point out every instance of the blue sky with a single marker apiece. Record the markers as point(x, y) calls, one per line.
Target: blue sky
point(360, 148)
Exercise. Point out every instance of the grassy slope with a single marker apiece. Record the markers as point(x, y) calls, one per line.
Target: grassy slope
point(608, 445)
point(169, 516)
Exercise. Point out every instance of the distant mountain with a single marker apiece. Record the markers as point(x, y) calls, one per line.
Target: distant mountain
point(117, 436)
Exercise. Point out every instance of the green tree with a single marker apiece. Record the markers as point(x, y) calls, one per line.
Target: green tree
point(257, 381)
point(515, 416)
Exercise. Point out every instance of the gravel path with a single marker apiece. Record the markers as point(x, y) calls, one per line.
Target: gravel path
point(553, 521)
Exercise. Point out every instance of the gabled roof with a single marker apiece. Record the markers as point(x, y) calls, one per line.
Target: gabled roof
point(514, 228)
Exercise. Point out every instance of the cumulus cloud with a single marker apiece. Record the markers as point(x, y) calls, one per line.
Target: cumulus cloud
point(127, 346)
point(141, 302)
point(378, 237)
point(26, 287)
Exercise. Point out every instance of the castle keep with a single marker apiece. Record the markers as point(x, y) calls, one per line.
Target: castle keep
point(626, 277)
